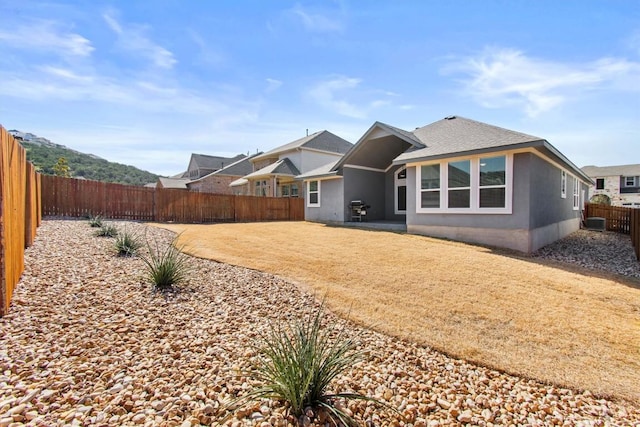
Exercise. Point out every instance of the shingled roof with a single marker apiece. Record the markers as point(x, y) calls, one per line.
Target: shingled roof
point(281, 167)
point(204, 161)
point(322, 140)
point(622, 170)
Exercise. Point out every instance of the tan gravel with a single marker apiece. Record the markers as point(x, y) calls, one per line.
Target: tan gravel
point(89, 343)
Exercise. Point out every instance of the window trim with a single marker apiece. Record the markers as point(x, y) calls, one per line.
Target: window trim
point(475, 186)
point(633, 178)
point(576, 193)
point(309, 192)
point(599, 180)
point(563, 184)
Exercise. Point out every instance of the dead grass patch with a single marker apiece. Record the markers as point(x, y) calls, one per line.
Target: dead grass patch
point(517, 315)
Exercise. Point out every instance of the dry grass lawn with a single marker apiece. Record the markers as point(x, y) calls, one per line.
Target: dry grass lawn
point(518, 315)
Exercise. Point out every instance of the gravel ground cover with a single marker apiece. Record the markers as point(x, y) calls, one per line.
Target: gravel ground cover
point(89, 343)
point(606, 251)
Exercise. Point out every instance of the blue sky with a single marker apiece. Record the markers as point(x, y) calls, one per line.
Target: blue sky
point(148, 83)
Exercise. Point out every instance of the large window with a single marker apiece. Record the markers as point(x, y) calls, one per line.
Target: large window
point(475, 185)
point(313, 194)
point(493, 182)
point(430, 186)
point(459, 184)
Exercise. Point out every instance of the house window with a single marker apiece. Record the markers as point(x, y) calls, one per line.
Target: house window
point(313, 194)
point(576, 194)
point(475, 185)
point(261, 188)
point(630, 181)
point(563, 184)
point(459, 184)
point(430, 186)
point(285, 190)
point(600, 184)
point(294, 190)
point(493, 182)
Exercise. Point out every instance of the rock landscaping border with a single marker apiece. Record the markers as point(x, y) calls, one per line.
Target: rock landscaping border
point(88, 342)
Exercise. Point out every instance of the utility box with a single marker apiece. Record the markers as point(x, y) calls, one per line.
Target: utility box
point(597, 223)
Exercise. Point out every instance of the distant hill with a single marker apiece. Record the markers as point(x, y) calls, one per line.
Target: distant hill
point(44, 154)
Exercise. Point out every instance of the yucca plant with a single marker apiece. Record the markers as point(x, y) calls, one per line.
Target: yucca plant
point(165, 267)
point(298, 362)
point(127, 243)
point(95, 221)
point(107, 230)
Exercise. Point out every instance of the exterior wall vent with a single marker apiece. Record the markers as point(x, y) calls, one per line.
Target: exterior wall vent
point(596, 223)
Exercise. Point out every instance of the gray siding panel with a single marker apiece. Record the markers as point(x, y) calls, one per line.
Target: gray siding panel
point(331, 202)
point(367, 186)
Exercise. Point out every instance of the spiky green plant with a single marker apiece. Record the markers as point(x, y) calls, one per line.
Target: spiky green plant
point(127, 243)
point(165, 267)
point(95, 221)
point(107, 230)
point(297, 363)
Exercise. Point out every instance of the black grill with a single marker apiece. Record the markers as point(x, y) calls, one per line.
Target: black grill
point(358, 210)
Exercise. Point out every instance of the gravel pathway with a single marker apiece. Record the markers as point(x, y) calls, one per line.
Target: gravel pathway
point(89, 343)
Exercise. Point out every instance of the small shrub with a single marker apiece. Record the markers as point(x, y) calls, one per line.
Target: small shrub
point(95, 221)
point(299, 361)
point(167, 267)
point(107, 230)
point(127, 244)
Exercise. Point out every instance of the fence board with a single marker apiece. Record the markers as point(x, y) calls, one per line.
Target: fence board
point(19, 215)
point(635, 231)
point(618, 218)
point(79, 198)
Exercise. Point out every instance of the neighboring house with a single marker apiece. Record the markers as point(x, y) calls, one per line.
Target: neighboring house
point(455, 178)
point(274, 172)
point(218, 181)
point(180, 183)
point(620, 183)
point(202, 164)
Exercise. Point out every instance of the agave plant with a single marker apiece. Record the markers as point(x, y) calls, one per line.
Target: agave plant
point(95, 221)
point(298, 362)
point(165, 267)
point(107, 230)
point(127, 243)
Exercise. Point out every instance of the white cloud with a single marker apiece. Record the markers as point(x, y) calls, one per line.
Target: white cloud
point(272, 85)
point(132, 38)
point(317, 22)
point(46, 36)
point(326, 92)
point(499, 78)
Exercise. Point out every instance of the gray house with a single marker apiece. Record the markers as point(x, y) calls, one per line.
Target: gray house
point(455, 178)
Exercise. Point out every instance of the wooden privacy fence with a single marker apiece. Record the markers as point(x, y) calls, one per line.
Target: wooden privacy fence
point(619, 219)
point(20, 213)
point(70, 197)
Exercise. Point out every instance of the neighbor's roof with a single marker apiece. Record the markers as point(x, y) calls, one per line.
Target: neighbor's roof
point(238, 168)
point(205, 161)
point(174, 182)
point(281, 167)
point(322, 140)
point(238, 182)
point(323, 171)
point(622, 170)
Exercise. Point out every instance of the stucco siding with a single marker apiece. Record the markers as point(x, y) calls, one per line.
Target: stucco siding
point(331, 209)
point(367, 186)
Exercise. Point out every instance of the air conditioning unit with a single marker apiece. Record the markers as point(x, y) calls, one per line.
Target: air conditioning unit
point(597, 223)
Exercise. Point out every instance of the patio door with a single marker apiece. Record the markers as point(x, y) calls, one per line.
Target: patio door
point(401, 191)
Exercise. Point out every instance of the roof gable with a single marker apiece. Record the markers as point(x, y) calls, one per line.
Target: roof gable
point(322, 140)
point(281, 167)
point(204, 161)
